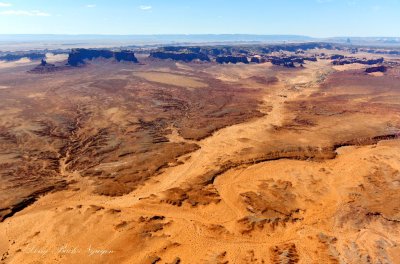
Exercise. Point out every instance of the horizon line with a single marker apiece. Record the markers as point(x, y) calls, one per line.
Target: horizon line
point(191, 34)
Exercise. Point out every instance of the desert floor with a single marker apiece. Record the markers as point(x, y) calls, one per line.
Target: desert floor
point(199, 163)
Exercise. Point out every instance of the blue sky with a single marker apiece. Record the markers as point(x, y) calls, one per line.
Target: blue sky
point(317, 18)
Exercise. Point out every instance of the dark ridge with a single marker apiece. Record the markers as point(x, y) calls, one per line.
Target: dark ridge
point(33, 197)
point(378, 214)
point(366, 141)
point(18, 207)
point(311, 153)
point(294, 154)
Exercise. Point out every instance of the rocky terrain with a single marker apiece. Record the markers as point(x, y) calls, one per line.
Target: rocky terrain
point(169, 161)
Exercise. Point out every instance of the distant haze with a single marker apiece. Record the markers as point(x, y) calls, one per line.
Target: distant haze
point(15, 42)
point(316, 18)
point(157, 38)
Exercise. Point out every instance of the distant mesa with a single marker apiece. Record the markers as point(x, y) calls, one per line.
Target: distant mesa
point(78, 56)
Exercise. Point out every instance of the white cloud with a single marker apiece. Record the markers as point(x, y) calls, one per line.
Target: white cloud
point(2, 4)
point(24, 13)
point(90, 6)
point(145, 7)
